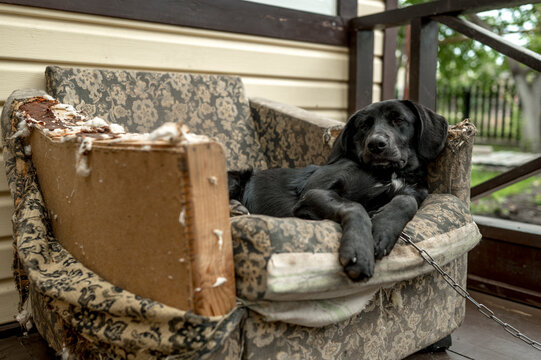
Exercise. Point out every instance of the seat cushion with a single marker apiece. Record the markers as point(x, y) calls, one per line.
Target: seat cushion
point(213, 105)
point(282, 264)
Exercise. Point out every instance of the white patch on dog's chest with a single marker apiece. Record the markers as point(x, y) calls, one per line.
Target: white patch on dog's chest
point(397, 183)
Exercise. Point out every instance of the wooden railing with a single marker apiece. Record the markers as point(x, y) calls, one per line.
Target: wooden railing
point(423, 20)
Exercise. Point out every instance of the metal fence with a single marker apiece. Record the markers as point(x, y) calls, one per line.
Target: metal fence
point(493, 108)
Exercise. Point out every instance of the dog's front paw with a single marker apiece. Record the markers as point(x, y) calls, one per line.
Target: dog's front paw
point(357, 260)
point(385, 238)
point(237, 209)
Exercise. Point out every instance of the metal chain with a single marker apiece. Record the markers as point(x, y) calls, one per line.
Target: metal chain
point(465, 294)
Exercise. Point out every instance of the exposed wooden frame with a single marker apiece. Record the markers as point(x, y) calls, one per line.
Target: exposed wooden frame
point(403, 16)
point(508, 178)
point(476, 32)
point(235, 16)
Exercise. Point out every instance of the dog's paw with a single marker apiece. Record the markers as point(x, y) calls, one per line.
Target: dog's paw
point(384, 239)
point(358, 261)
point(237, 209)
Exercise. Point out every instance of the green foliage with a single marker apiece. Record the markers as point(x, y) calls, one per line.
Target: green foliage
point(464, 61)
point(493, 202)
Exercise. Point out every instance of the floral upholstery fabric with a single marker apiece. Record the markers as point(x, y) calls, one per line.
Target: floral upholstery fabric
point(140, 101)
point(292, 137)
point(450, 173)
point(77, 312)
point(399, 321)
point(256, 238)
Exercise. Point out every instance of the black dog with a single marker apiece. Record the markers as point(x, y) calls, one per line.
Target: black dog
point(372, 185)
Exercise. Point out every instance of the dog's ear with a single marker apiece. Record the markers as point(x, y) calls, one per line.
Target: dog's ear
point(431, 133)
point(343, 145)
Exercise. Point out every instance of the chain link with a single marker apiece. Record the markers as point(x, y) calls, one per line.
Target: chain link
point(465, 294)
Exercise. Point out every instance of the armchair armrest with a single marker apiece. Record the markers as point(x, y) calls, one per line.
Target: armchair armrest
point(290, 136)
point(450, 173)
point(147, 213)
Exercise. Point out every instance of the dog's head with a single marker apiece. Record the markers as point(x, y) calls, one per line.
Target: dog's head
point(391, 134)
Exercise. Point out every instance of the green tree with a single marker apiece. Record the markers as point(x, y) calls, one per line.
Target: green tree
point(462, 61)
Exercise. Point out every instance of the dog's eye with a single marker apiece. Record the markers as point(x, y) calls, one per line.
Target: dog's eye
point(367, 123)
point(398, 121)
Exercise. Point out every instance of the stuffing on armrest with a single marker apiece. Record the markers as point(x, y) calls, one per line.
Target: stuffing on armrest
point(290, 136)
point(450, 173)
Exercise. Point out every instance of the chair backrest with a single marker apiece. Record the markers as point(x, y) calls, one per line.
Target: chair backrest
point(213, 105)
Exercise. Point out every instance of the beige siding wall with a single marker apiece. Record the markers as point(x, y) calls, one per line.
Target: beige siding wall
point(308, 75)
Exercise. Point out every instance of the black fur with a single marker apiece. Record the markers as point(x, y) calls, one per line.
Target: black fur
point(372, 185)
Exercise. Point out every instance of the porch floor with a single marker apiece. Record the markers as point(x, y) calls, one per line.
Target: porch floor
point(477, 338)
point(481, 338)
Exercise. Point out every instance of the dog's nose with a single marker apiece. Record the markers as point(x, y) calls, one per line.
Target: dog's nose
point(377, 143)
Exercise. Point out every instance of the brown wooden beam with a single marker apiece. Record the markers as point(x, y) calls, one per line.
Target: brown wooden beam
point(423, 62)
point(508, 178)
point(389, 57)
point(347, 9)
point(503, 290)
point(225, 15)
point(515, 232)
point(476, 32)
point(404, 15)
point(361, 70)
point(506, 261)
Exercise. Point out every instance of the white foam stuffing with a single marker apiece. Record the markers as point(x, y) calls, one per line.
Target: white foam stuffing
point(167, 132)
point(65, 353)
point(219, 281)
point(81, 160)
point(192, 138)
point(219, 234)
point(182, 217)
point(117, 129)
point(86, 145)
point(96, 123)
point(24, 319)
point(22, 130)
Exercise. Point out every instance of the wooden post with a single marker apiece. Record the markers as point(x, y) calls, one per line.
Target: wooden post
point(424, 60)
point(361, 69)
point(389, 57)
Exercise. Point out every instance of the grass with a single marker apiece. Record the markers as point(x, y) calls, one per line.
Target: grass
point(492, 203)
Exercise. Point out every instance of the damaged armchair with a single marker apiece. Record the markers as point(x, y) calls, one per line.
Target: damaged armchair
point(290, 296)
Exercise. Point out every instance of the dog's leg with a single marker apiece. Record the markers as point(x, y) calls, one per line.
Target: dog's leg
point(356, 253)
point(389, 221)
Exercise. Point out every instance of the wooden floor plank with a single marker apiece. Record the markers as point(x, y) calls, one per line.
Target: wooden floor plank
point(482, 338)
point(12, 349)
